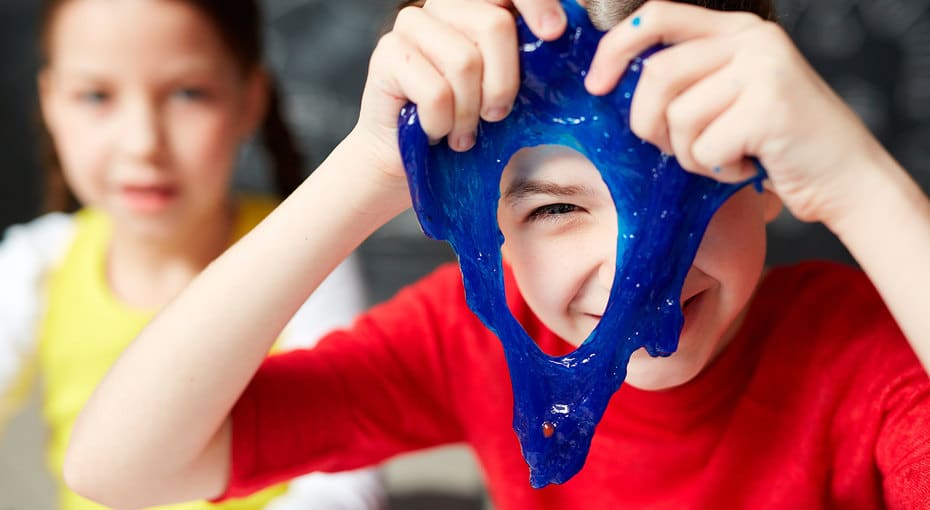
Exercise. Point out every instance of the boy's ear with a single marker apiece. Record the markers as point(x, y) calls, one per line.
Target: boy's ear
point(257, 94)
point(773, 205)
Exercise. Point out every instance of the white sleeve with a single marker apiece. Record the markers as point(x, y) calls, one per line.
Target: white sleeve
point(351, 490)
point(335, 304)
point(26, 254)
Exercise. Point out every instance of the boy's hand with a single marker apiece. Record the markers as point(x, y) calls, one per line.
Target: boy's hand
point(545, 18)
point(733, 86)
point(456, 59)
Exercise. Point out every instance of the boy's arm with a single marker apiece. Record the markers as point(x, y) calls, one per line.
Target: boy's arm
point(702, 99)
point(155, 430)
point(187, 369)
point(886, 227)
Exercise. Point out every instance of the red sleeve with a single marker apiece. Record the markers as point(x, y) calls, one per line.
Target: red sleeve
point(903, 446)
point(880, 415)
point(891, 388)
point(357, 398)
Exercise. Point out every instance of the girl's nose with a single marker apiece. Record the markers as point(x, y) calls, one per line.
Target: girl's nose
point(141, 135)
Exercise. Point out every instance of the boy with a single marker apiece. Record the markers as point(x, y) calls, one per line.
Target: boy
point(796, 391)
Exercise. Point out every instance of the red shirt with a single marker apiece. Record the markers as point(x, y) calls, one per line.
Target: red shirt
point(818, 402)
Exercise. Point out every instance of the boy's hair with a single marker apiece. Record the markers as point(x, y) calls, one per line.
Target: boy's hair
point(607, 13)
point(239, 25)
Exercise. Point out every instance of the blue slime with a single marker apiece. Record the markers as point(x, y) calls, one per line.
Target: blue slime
point(662, 213)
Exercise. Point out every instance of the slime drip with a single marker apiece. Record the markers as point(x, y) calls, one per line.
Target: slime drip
point(662, 212)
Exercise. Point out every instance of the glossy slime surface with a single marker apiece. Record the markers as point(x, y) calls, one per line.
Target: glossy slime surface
point(662, 212)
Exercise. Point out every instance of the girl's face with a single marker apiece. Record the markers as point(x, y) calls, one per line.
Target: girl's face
point(560, 229)
point(146, 108)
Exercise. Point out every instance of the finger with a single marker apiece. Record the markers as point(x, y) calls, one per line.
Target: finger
point(724, 145)
point(400, 71)
point(457, 59)
point(693, 110)
point(664, 77)
point(493, 30)
point(545, 18)
point(734, 171)
point(658, 21)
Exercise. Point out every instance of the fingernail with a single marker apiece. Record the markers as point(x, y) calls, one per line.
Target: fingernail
point(464, 142)
point(551, 21)
point(496, 113)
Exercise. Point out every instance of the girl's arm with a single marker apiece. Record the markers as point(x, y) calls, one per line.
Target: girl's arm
point(157, 430)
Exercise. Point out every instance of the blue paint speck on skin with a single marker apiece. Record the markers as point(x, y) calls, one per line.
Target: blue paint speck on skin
point(717, 169)
point(455, 196)
point(636, 21)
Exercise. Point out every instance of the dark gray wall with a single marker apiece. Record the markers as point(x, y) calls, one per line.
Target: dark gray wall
point(876, 53)
point(19, 186)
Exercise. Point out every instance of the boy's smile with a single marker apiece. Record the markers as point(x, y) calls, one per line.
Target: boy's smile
point(560, 228)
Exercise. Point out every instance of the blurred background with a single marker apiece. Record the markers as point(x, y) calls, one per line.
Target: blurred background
point(875, 53)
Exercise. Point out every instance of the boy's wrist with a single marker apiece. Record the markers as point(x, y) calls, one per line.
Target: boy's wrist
point(879, 190)
point(374, 190)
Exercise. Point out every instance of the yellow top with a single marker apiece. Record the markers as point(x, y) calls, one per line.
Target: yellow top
point(86, 327)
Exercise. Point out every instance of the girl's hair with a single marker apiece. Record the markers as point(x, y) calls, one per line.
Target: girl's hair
point(607, 13)
point(239, 25)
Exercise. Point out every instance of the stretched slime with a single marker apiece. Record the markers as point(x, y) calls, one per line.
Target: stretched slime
point(662, 213)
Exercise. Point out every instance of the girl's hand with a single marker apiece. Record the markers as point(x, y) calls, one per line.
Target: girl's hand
point(733, 86)
point(456, 59)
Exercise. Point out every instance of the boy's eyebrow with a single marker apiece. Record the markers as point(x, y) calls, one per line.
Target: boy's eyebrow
point(519, 189)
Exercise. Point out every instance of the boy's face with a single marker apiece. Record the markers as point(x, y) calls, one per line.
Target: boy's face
point(560, 227)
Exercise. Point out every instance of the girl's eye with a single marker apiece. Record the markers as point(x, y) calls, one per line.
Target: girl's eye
point(552, 211)
point(190, 93)
point(94, 97)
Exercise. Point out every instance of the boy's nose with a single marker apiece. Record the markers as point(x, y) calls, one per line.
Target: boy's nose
point(605, 273)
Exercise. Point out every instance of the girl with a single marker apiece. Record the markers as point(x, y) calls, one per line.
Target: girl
point(146, 104)
point(796, 388)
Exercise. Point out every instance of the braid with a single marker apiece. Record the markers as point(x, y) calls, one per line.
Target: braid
point(285, 155)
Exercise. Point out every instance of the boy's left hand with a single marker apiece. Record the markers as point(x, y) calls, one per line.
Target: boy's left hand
point(733, 86)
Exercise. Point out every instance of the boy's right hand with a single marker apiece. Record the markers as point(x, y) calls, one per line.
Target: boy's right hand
point(456, 59)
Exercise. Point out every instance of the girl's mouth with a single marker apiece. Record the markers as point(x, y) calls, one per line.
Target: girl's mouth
point(148, 199)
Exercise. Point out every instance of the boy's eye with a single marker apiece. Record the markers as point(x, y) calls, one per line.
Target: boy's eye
point(190, 93)
point(552, 211)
